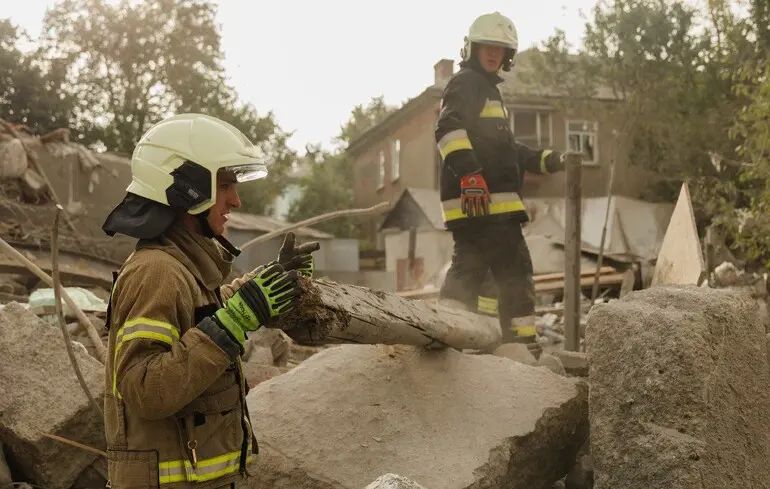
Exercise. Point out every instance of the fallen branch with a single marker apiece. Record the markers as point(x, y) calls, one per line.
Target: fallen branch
point(93, 334)
point(57, 288)
point(329, 312)
point(75, 444)
point(374, 210)
point(33, 161)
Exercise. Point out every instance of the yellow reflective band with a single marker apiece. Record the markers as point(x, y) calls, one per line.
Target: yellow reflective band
point(454, 141)
point(493, 109)
point(140, 328)
point(524, 326)
point(543, 157)
point(487, 305)
point(501, 203)
point(524, 330)
point(206, 469)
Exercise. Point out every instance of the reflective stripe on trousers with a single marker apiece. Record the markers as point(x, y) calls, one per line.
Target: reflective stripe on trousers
point(500, 203)
point(487, 305)
point(524, 326)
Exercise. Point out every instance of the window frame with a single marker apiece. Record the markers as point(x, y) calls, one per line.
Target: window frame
point(595, 133)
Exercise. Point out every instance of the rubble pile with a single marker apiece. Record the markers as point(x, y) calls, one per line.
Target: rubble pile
point(680, 392)
point(678, 398)
point(443, 418)
point(40, 394)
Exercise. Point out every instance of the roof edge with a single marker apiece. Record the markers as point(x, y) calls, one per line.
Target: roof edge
point(361, 142)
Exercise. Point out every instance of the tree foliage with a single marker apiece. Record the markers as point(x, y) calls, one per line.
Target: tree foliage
point(28, 94)
point(329, 184)
point(111, 69)
point(682, 77)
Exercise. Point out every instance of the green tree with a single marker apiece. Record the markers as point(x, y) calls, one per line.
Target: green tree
point(28, 94)
point(329, 184)
point(133, 63)
point(747, 222)
point(667, 64)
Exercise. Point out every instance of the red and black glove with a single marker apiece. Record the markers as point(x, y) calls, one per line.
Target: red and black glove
point(474, 195)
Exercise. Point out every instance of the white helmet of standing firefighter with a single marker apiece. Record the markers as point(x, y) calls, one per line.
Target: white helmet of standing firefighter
point(174, 170)
point(494, 29)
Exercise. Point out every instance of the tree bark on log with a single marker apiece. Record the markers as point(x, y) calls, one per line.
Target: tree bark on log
point(329, 312)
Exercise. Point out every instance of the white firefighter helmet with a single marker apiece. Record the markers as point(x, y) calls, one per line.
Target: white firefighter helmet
point(495, 29)
point(176, 161)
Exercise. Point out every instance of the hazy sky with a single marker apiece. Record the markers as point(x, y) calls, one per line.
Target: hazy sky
point(310, 62)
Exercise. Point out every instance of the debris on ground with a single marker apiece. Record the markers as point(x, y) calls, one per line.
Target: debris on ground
point(679, 390)
point(393, 481)
point(41, 394)
point(389, 413)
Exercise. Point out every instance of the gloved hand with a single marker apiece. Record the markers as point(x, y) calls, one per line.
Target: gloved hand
point(297, 258)
point(474, 195)
point(272, 292)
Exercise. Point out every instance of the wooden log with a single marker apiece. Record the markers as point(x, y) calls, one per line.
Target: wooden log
point(329, 312)
point(572, 241)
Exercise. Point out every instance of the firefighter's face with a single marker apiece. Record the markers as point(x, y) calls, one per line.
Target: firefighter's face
point(491, 57)
point(227, 199)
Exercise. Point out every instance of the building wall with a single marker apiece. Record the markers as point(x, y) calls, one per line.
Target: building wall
point(417, 164)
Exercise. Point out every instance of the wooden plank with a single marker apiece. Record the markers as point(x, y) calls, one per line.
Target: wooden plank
point(583, 273)
point(604, 280)
point(340, 313)
point(680, 260)
point(607, 279)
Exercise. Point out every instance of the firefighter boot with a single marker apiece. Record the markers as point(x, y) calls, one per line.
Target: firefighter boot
point(521, 330)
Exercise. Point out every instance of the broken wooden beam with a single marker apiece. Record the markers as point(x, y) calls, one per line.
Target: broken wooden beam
point(330, 312)
point(546, 283)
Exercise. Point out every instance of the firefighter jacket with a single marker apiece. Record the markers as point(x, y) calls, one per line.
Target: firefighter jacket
point(473, 134)
point(175, 407)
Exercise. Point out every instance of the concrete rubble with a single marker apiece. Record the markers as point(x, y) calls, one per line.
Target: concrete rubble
point(376, 409)
point(393, 481)
point(679, 391)
point(41, 394)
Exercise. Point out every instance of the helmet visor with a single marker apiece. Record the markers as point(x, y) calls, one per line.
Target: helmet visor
point(247, 173)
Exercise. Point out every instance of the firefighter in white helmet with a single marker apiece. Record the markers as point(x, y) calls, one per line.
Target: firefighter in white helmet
point(175, 409)
point(481, 176)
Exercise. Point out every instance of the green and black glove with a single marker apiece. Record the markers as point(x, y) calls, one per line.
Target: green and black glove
point(299, 258)
point(272, 292)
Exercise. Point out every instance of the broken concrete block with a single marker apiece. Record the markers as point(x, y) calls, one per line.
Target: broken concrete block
point(256, 373)
point(446, 419)
point(259, 355)
point(581, 475)
point(518, 352)
point(40, 393)
point(679, 391)
point(274, 340)
point(551, 363)
point(574, 362)
point(393, 481)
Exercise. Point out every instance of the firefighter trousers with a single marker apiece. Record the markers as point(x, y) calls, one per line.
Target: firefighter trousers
point(498, 247)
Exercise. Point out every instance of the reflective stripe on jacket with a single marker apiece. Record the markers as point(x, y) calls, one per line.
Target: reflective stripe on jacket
point(175, 413)
point(473, 135)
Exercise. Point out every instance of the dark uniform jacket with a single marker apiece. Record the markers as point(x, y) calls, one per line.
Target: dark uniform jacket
point(473, 134)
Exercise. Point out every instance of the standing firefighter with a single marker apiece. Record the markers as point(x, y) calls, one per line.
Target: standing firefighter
point(175, 410)
point(481, 174)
